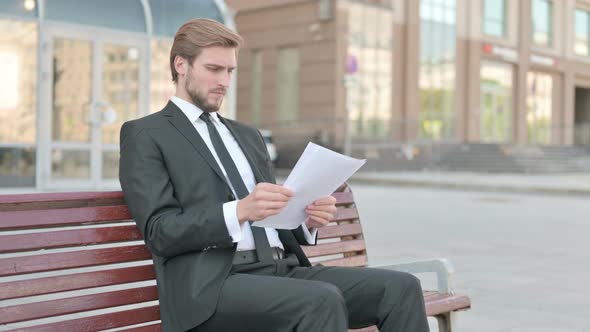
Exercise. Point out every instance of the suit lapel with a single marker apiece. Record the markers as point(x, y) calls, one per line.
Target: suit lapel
point(240, 139)
point(184, 126)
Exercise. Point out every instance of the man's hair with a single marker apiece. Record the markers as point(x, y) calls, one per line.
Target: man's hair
point(197, 34)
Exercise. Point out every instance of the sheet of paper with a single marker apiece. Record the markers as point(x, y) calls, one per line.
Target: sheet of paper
point(318, 172)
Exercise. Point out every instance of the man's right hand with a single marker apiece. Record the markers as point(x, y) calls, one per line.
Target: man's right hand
point(265, 200)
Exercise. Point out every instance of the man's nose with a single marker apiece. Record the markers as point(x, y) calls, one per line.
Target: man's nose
point(225, 79)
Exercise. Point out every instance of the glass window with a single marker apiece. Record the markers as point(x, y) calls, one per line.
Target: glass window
point(539, 107)
point(437, 69)
point(542, 22)
point(582, 32)
point(369, 89)
point(121, 95)
point(288, 86)
point(256, 101)
point(124, 15)
point(72, 90)
point(70, 164)
point(494, 17)
point(168, 16)
point(18, 102)
point(20, 8)
point(496, 102)
point(161, 85)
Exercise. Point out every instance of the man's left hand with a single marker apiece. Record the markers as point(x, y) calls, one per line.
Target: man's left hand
point(320, 212)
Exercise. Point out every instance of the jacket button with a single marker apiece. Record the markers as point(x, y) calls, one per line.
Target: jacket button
point(231, 197)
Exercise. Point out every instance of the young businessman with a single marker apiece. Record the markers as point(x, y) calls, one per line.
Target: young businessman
point(194, 182)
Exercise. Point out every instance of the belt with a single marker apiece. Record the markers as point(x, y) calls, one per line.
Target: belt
point(250, 256)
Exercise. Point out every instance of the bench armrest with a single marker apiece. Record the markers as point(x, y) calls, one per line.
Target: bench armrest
point(441, 266)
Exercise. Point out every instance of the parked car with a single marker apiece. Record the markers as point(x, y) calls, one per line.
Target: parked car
point(270, 146)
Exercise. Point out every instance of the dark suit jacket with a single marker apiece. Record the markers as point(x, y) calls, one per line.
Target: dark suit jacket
point(175, 191)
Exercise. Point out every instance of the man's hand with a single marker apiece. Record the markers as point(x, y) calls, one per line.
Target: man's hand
point(321, 212)
point(265, 200)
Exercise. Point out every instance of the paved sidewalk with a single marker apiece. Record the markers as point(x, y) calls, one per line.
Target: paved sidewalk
point(555, 184)
point(566, 184)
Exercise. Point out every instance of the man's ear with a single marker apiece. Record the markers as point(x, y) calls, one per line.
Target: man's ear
point(181, 65)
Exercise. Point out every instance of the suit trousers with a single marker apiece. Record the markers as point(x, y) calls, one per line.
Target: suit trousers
point(287, 297)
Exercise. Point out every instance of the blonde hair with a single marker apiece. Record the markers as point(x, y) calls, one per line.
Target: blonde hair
point(197, 34)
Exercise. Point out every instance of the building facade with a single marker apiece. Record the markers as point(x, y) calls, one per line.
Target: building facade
point(350, 73)
point(72, 72)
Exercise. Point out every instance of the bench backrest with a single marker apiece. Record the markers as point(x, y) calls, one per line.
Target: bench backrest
point(66, 257)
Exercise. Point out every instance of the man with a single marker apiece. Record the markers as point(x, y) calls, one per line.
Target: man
point(194, 181)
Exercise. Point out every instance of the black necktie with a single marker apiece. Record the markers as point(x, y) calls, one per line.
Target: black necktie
point(260, 240)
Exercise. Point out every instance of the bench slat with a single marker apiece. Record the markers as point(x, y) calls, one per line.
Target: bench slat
point(64, 306)
point(62, 217)
point(343, 198)
point(70, 282)
point(433, 295)
point(346, 214)
point(351, 261)
point(64, 260)
point(68, 238)
point(329, 232)
point(445, 303)
point(58, 197)
point(366, 329)
point(100, 322)
point(325, 249)
point(156, 327)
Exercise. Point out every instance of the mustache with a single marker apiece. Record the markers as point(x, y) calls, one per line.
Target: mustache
point(224, 91)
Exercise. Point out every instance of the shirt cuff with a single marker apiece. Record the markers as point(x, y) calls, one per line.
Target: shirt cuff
point(310, 234)
point(230, 214)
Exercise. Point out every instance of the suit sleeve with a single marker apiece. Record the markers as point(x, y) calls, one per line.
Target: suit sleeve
point(168, 231)
point(304, 239)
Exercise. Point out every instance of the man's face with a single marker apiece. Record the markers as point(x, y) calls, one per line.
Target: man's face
point(208, 78)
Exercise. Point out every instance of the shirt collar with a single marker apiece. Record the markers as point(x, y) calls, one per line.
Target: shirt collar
point(191, 111)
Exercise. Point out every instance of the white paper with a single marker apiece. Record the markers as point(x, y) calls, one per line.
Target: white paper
point(318, 172)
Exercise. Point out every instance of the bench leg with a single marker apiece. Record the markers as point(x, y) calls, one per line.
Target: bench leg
point(445, 322)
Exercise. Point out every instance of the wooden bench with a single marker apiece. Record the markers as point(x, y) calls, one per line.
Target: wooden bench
point(68, 259)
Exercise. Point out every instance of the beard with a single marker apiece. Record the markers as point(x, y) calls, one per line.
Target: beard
point(199, 99)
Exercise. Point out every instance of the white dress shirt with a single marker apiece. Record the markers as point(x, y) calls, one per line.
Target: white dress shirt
point(241, 234)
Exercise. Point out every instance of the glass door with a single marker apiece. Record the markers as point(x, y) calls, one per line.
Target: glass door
point(539, 107)
point(495, 117)
point(92, 84)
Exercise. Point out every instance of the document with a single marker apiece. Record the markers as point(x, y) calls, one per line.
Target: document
point(318, 172)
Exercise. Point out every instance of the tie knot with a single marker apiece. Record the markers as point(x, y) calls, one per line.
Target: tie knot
point(205, 116)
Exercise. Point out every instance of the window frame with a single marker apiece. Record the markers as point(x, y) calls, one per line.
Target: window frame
point(586, 10)
point(503, 22)
point(550, 29)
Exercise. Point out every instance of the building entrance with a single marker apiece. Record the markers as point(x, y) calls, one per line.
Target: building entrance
point(91, 83)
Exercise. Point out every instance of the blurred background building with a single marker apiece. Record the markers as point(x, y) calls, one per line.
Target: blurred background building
point(484, 85)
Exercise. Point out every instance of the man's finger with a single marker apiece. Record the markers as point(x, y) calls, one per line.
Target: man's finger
point(320, 221)
point(326, 200)
point(327, 208)
point(275, 188)
point(271, 196)
point(272, 205)
point(271, 212)
point(321, 214)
